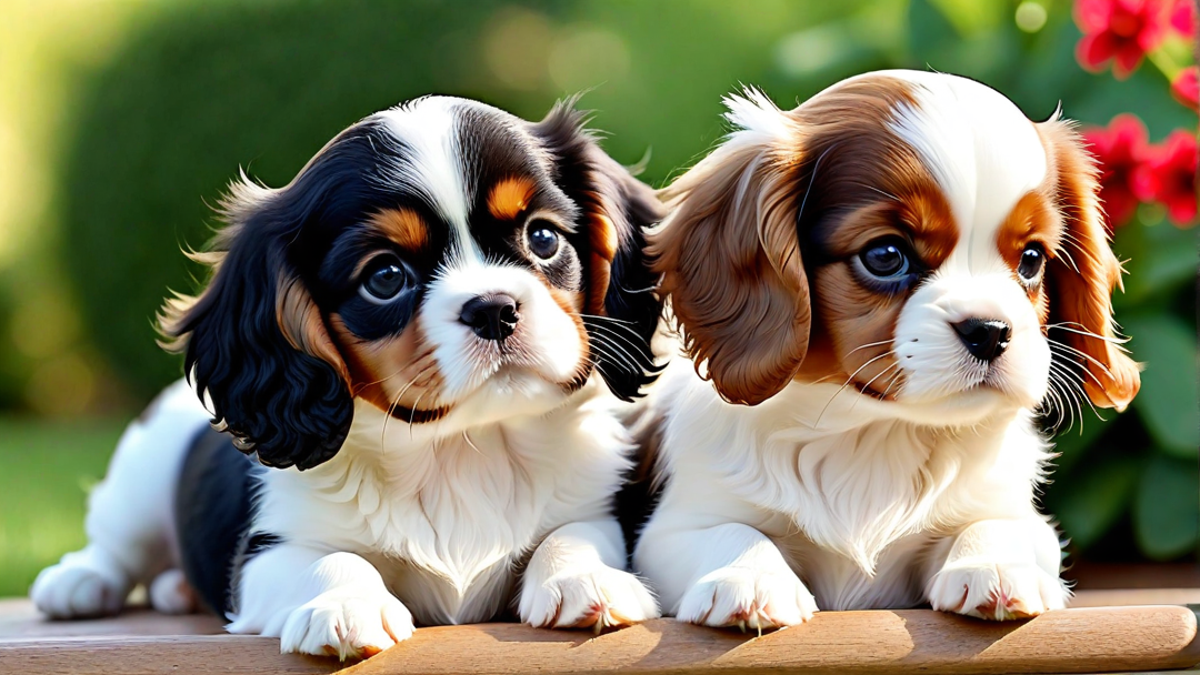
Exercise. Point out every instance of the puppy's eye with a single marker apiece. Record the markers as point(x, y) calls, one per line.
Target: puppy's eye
point(1033, 259)
point(543, 239)
point(886, 259)
point(384, 281)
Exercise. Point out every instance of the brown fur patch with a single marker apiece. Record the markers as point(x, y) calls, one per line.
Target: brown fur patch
point(1082, 275)
point(392, 373)
point(1033, 219)
point(603, 243)
point(302, 326)
point(509, 197)
point(402, 226)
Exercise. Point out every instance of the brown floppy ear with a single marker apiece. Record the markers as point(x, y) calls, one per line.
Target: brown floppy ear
point(729, 257)
point(1082, 276)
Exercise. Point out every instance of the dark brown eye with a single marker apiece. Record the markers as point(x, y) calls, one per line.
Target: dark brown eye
point(1033, 259)
point(543, 240)
point(385, 281)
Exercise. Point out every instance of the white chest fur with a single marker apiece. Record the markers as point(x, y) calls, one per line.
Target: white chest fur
point(446, 517)
point(849, 491)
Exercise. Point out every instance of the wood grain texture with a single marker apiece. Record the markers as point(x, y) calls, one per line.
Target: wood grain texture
point(1101, 639)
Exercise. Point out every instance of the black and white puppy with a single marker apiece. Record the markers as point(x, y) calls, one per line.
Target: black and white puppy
point(407, 332)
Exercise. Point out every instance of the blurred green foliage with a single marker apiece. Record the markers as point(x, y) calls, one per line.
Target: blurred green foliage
point(199, 88)
point(45, 469)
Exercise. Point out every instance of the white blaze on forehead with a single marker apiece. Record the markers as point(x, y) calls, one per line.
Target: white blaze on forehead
point(982, 150)
point(432, 164)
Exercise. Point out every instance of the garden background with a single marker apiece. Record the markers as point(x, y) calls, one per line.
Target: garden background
point(122, 121)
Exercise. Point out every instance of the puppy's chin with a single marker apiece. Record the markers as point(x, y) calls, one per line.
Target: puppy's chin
point(512, 392)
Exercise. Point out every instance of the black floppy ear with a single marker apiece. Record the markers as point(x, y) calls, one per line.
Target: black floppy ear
point(255, 342)
point(621, 309)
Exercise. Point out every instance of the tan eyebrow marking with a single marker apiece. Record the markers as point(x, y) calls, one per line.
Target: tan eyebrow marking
point(1031, 219)
point(509, 197)
point(402, 226)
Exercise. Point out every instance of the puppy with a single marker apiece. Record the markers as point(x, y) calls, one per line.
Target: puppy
point(407, 334)
point(885, 286)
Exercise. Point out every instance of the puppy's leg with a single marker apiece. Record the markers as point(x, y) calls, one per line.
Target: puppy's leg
point(727, 575)
point(316, 602)
point(129, 520)
point(576, 579)
point(998, 570)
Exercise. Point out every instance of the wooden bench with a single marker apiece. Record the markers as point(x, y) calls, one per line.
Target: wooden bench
point(1104, 631)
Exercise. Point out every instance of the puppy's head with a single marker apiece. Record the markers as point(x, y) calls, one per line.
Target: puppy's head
point(911, 234)
point(436, 256)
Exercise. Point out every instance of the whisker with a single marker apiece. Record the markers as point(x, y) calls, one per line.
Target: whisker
point(869, 344)
point(847, 384)
point(1073, 350)
point(396, 402)
point(1087, 333)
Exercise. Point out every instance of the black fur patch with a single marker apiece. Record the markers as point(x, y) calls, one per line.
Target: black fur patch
point(212, 513)
point(644, 483)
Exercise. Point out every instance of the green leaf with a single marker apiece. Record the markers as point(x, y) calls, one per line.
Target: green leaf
point(1073, 444)
point(1095, 498)
point(1166, 512)
point(1160, 259)
point(1168, 402)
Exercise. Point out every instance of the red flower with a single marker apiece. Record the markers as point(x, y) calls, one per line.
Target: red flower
point(1183, 17)
point(1121, 30)
point(1120, 149)
point(1186, 87)
point(1169, 176)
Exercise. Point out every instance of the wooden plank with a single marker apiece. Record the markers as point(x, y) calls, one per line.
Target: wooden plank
point(1068, 641)
point(1136, 596)
point(19, 620)
point(200, 654)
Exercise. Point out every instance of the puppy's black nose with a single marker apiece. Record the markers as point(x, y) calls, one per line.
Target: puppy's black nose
point(986, 339)
point(492, 317)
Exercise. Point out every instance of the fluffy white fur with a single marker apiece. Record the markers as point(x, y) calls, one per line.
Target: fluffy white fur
point(925, 498)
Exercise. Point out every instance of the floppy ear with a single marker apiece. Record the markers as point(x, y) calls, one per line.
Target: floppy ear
point(1082, 277)
point(255, 342)
point(621, 310)
point(730, 259)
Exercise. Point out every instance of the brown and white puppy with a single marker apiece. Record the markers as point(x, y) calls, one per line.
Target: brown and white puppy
point(885, 287)
point(409, 333)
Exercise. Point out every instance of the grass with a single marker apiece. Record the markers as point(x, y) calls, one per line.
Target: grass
point(46, 468)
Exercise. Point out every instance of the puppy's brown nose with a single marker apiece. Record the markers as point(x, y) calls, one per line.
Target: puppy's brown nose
point(493, 316)
point(986, 339)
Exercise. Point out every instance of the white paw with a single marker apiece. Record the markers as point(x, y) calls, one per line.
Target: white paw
point(747, 598)
point(170, 593)
point(997, 592)
point(79, 587)
point(599, 599)
point(346, 624)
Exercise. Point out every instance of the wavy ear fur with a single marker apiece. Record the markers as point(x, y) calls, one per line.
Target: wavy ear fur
point(621, 310)
point(1083, 278)
point(254, 342)
point(730, 259)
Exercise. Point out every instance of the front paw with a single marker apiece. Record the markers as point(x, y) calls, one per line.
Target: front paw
point(747, 598)
point(346, 624)
point(79, 588)
point(997, 592)
point(599, 599)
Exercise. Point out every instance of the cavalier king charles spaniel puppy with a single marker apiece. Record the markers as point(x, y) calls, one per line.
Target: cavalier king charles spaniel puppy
point(404, 338)
point(884, 286)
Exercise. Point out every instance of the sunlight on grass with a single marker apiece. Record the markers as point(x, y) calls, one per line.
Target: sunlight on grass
point(45, 470)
